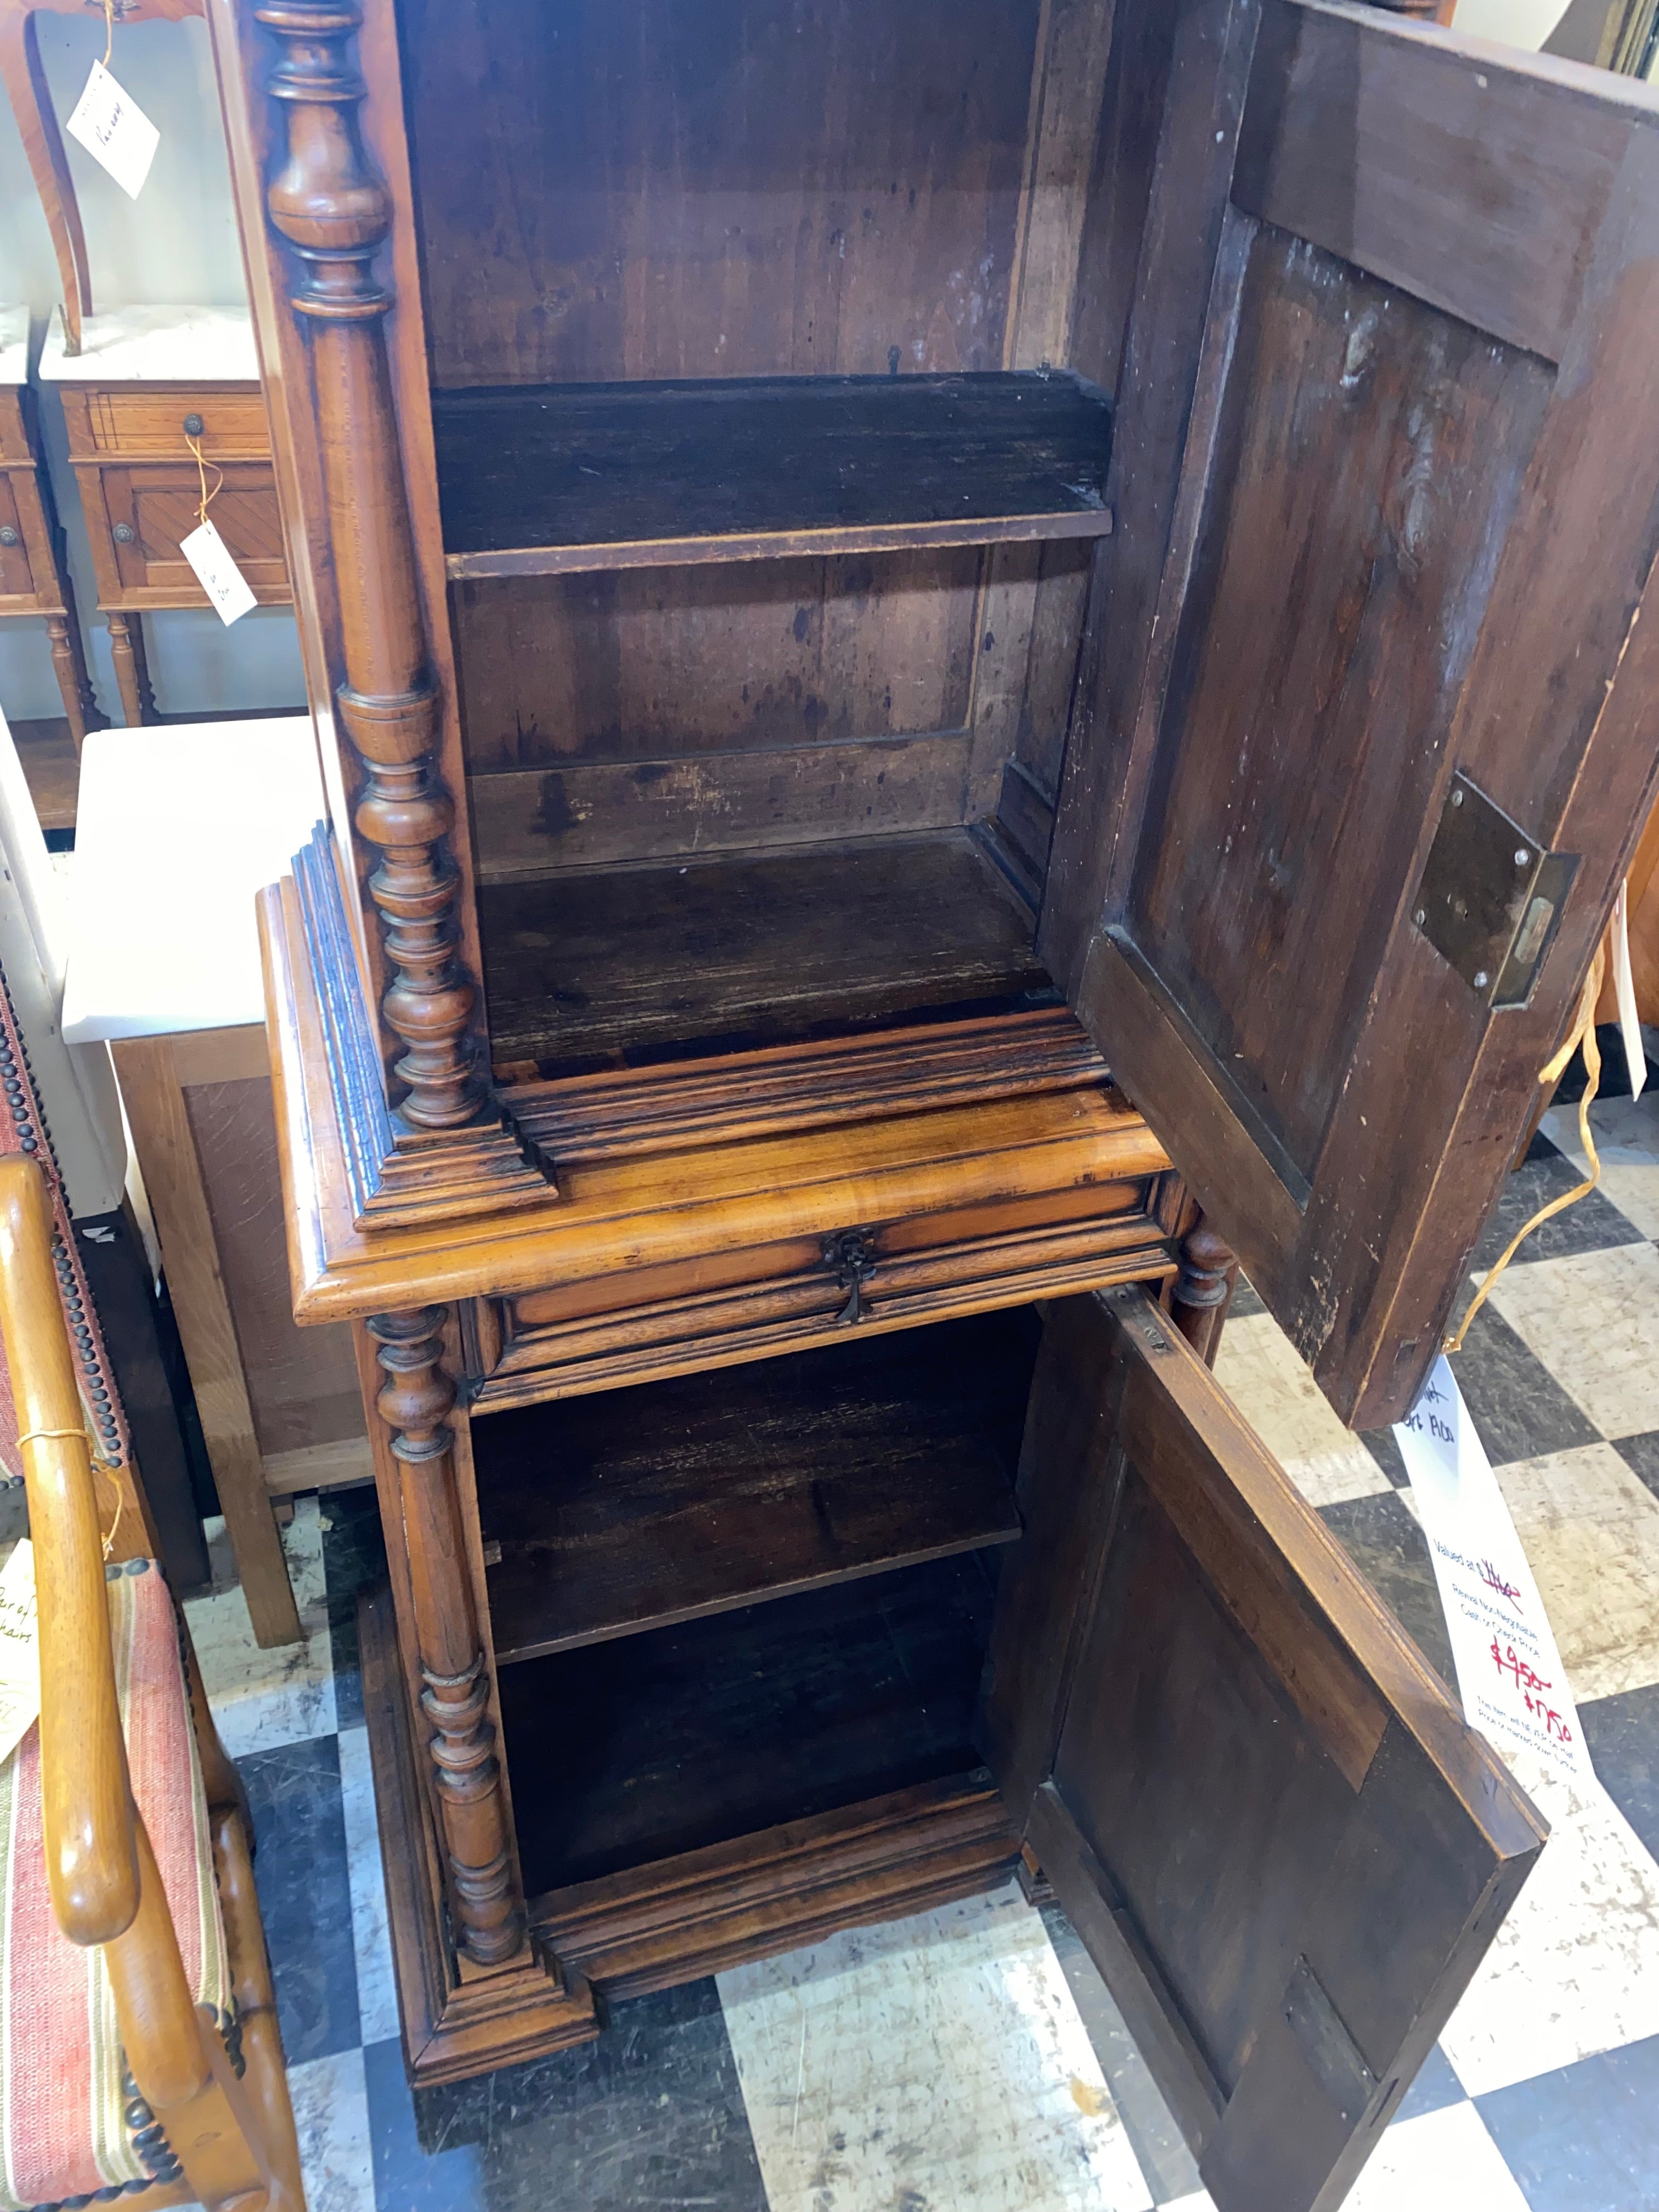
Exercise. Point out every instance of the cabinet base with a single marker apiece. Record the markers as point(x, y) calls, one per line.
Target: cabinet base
point(656, 1925)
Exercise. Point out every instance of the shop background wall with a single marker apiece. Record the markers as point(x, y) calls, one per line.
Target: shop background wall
point(175, 244)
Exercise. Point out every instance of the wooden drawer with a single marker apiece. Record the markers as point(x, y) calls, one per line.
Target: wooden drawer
point(150, 421)
point(138, 513)
point(16, 578)
point(868, 1277)
point(14, 444)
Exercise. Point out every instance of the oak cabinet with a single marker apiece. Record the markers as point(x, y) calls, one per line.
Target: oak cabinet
point(968, 660)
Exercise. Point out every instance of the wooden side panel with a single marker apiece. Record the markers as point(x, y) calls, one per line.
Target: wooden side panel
point(1261, 1809)
point(732, 191)
point(301, 1384)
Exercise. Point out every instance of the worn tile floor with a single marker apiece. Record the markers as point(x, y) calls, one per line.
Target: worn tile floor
point(971, 2059)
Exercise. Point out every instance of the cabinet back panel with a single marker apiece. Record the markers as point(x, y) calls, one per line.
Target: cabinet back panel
point(642, 664)
point(1371, 451)
point(634, 188)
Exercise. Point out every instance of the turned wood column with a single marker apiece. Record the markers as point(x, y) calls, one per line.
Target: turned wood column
point(1203, 1289)
point(328, 202)
point(414, 1402)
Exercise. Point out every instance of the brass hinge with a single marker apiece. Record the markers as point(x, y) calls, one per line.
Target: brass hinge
point(1491, 897)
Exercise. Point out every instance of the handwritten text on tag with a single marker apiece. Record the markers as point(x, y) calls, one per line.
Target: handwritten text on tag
point(1509, 1674)
point(217, 574)
point(115, 130)
point(20, 1649)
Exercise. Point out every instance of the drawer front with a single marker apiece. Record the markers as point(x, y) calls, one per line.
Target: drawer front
point(788, 1297)
point(151, 421)
point(16, 578)
point(148, 510)
point(15, 443)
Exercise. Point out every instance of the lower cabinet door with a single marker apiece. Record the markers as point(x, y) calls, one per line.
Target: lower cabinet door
point(1265, 1817)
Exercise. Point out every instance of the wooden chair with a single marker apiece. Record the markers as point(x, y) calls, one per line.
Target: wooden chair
point(147, 2066)
point(43, 141)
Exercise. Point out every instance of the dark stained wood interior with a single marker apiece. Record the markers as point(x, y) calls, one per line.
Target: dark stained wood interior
point(631, 1751)
point(733, 190)
point(541, 479)
point(609, 1513)
point(752, 949)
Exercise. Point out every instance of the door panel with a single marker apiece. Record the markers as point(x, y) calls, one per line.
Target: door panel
point(1403, 536)
point(1283, 1847)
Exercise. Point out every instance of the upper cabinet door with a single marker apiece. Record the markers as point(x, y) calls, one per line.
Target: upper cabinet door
point(1282, 1846)
point(1362, 736)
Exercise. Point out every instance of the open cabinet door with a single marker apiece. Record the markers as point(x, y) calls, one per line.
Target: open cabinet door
point(1282, 1846)
point(1364, 734)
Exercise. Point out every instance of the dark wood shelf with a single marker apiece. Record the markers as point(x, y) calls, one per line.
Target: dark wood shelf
point(543, 479)
point(621, 1755)
point(627, 1511)
point(626, 964)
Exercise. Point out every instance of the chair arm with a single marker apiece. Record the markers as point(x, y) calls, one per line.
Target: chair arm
point(92, 1859)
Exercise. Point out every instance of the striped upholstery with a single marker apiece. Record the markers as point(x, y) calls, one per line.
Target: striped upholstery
point(67, 2126)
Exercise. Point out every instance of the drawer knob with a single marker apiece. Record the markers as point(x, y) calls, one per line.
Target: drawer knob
point(194, 426)
point(8, 536)
point(852, 1257)
point(124, 533)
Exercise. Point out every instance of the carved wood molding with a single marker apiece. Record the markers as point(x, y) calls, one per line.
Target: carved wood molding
point(334, 213)
point(486, 1911)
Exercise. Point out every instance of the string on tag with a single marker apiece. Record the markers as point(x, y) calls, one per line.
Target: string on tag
point(202, 464)
point(109, 30)
point(1584, 1033)
point(99, 1467)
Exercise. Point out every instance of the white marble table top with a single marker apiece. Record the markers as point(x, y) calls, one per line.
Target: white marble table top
point(14, 345)
point(154, 345)
point(163, 937)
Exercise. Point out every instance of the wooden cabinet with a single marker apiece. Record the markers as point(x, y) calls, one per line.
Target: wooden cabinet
point(943, 636)
point(35, 577)
point(143, 384)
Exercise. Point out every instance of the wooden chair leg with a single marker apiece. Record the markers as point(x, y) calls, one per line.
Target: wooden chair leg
point(1204, 1289)
point(266, 2077)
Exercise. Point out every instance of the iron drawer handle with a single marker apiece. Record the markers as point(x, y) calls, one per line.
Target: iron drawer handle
point(850, 1253)
point(8, 536)
point(194, 426)
point(124, 533)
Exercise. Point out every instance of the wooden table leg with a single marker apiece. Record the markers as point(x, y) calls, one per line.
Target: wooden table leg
point(69, 666)
point(126, 644)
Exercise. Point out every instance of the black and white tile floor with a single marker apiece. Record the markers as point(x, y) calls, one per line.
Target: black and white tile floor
point(971, 2059)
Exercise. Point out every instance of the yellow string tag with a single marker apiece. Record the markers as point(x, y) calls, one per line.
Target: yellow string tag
point(1584, 1033)
point(109, 30)
point(100, 1466)
point(202, 464)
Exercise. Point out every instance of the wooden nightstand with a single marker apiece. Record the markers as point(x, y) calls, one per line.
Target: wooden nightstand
point(35, 577)
point(144, 378)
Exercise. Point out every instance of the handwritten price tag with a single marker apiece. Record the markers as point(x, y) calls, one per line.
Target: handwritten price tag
point(1509, 1674)
point(20, 1649)
point(217, 574)
point(115, 130)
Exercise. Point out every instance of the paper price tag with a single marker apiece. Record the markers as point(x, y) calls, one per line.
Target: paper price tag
point(217, 574)
point(20, 1649)
point(115, 130)
point(1509, 1674)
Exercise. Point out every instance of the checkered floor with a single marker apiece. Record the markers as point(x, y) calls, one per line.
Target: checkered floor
point(970, 2060)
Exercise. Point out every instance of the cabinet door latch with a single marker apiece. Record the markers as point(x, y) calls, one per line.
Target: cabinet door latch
point(852, 1257)
point(1491, 897)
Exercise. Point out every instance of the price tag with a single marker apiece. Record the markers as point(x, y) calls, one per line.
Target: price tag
point(1624, 987)
point(217, 574)
point(20, 1649)
point(1509, 1674)
point(115, 130)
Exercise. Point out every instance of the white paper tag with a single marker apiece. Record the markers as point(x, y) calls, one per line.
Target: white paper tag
point(1624, 987)
point(1509, 1674)
point(20, 1649)
point(217, 574)
point(115, 130)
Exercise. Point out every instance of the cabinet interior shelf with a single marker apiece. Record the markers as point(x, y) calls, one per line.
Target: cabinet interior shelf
point(609, 1515)
point(550, 479)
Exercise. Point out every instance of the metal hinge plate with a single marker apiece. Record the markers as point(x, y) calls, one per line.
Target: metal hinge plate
point(1491, 897)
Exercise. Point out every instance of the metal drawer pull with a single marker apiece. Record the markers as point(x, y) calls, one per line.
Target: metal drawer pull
point(194, 426)
point(853, 1261)
point(8, 536)
point(124, 533)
